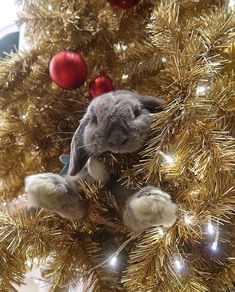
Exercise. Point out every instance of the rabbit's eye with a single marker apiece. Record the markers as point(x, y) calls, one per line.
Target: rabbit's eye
point(94, 120)
point(136, 112)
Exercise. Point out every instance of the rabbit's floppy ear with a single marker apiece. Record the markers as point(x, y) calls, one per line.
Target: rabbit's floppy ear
point(78, 153)
point(151, 103)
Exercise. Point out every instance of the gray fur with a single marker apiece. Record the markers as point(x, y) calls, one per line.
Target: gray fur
point(116, 122)
point(56, 193)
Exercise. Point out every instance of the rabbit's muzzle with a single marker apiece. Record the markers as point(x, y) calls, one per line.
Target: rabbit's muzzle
point(117, 135)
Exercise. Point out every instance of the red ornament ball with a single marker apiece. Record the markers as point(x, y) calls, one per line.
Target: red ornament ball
point(68, 70)
point(123, 3)
point(100, 84)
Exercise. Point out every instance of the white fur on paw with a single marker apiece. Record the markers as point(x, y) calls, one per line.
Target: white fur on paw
point(150, 207)
point(97, 170)
point(56, 193)
point(43, 189)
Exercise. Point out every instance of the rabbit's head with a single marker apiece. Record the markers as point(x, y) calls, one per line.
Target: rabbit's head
point(117, 122)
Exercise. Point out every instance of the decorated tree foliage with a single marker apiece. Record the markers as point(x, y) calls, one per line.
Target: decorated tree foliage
point(182, 51)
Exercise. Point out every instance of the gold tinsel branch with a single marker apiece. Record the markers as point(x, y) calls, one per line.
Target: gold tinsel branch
point(12, 270)
point(74, 261)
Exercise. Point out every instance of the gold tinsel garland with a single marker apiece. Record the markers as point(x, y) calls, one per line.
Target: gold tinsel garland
point(181, 50)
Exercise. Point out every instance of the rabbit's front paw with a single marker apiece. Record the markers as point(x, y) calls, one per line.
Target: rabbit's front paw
point(149, 207)
point(97, 170)
point(55, 193)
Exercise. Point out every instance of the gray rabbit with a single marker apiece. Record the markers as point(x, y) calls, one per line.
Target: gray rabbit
point(115, 122)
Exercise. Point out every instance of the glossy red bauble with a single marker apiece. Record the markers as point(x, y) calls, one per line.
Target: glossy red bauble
point(100, 84)
point(123, 3)
point(68, 70)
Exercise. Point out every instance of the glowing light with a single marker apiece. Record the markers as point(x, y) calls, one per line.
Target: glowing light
point(167, 157)
point(125, 76)
point(49, 7)
point(210, 227)
point(124, 47)
point(201, 89)
point(179, 264)
point(119, 47)
point(215, 242)
point(195, 193)
point(188, 219)
point(4, 203)
point(164, 59)
point(160, 231)
point(113, 261)
point(214, 245)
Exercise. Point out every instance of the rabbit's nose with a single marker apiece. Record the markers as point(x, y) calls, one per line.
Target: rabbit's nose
point(117, 138)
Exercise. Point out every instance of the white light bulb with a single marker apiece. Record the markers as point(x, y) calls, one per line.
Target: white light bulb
point(49, 7)
point(201, 89)
point(188, 219)
point(124, 47)
point(214, 245)
point(210, 228)
point(125, 76)
point(113, 261)
point(179, 264)
point(118, 46)
point(216, 240)
point(160, 231)
point(168, 158)
point(194, 192)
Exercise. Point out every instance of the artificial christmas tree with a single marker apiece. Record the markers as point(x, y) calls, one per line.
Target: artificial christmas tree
point(180, 50)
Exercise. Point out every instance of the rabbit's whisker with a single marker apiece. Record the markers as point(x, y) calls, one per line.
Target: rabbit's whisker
point(62, 139)
point(84, 146)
